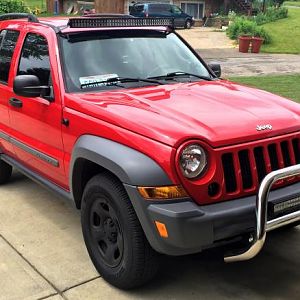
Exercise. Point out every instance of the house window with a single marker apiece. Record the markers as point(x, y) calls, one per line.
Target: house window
point(195, 9)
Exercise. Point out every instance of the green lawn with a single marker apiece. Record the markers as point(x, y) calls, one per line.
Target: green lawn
point(285, 34)
point(284, 85)
point(292, 3)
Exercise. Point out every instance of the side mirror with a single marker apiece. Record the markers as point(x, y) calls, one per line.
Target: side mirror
point(216, 68)
point(29, 86)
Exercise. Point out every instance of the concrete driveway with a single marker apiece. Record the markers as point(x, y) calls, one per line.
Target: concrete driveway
point(42, 256)
point(215, 46)
point(234, 63)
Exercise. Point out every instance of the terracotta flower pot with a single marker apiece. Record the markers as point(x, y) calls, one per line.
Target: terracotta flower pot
point(244, 43)
point(256, 44)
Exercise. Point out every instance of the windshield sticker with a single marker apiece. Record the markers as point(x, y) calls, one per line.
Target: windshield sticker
point(97, 79)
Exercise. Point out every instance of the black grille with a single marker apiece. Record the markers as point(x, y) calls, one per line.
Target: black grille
point(296, 150)
point(229, 173)
point(260, 163)
point(285, 153)
point(246, 168)
point(273, 157)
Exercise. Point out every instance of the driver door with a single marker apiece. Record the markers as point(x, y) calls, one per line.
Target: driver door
point(36, 121)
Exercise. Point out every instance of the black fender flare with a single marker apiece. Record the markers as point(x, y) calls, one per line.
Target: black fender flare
point(129, 165)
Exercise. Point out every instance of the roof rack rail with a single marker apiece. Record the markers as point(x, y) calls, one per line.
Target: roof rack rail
point(11, 16)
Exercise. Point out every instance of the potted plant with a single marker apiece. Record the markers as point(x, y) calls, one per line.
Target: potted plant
point(244, 42)
point(257, 40)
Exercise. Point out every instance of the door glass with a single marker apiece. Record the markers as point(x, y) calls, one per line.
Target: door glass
point(176, 10)
point(159, 8)
point(8, 41)
point(35, 58)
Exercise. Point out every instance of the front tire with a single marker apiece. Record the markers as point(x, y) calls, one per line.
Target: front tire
point(188, 24)
point(5, 172)
point(113, 235)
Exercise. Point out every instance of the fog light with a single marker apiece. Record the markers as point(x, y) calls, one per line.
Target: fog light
point(163, 192)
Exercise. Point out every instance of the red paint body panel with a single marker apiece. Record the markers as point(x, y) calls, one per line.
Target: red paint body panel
point(219, 112)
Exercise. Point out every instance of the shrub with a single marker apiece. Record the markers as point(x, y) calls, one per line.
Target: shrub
point(240, 26)
point(244, 26)
point(10, 6)
point(272, 14)
point(261, 32)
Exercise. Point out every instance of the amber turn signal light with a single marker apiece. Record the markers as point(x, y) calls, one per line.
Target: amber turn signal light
point(162, 229)
point(163, 192)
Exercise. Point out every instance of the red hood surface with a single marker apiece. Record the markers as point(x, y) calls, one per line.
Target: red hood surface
point(218, 112)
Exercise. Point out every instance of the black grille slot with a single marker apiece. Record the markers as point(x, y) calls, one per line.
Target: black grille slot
point(296, 150)
point(260, 163)
point(245, 169)
point(273, 157)
point(229, 173)
point(285, 153)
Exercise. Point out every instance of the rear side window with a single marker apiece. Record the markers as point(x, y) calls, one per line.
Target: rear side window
point(35, 58)
point(8, 41)
point(159, 8)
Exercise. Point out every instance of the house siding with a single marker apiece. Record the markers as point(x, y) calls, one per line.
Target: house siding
point(111, 6)
point(122, 6)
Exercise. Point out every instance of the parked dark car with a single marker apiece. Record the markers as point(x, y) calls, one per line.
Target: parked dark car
point(181, 19)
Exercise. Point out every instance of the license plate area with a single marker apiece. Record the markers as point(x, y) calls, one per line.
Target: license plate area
point(282, 207)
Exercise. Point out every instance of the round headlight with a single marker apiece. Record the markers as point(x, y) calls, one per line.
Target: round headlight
point(193, 161)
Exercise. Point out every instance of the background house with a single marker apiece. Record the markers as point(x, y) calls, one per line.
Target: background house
point(197, 8)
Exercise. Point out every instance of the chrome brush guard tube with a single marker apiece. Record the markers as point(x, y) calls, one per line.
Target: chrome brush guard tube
point(262, 224)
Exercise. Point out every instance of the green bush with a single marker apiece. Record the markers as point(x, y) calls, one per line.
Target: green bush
point(272, 14)
point(240, 26)
point(244, 26)
point(10, 6)
point(261, 32)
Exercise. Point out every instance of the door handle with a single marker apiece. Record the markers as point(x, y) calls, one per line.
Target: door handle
point(15, 102)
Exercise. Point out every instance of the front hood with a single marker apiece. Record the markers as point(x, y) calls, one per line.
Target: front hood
point(218, 112)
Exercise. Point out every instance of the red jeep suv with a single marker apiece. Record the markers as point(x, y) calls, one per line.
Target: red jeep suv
point(121, 116)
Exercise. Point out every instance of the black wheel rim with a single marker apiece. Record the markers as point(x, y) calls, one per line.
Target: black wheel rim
point(106, 233)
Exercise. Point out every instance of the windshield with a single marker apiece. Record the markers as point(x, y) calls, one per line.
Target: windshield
point(97, 57)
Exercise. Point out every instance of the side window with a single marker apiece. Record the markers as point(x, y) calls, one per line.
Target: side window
point(137, 8)
point(35, 58)
point(176, 9)
point(8, 41)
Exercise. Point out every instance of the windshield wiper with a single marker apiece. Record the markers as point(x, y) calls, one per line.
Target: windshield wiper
point(116, 80)
point(172, 75)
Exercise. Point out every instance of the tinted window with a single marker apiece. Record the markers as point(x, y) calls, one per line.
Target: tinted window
point(137, 8)
point(159, 8)
point(176, 9)
point(8, 40)
point(35, 58)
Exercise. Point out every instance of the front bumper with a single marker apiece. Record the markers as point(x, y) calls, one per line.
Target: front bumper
point(193, 227)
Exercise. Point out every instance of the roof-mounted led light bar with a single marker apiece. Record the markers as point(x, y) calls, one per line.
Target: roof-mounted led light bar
point(12, 16)
point(119, 22)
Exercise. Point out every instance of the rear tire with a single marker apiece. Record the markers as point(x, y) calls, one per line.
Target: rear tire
point(5, 172)
point(113, 235)
point(188, 24)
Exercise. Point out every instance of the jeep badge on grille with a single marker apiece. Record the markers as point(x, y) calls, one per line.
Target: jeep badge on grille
point(264, 127)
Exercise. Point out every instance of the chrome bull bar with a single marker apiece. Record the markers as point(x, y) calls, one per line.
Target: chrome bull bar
point(262, 224)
